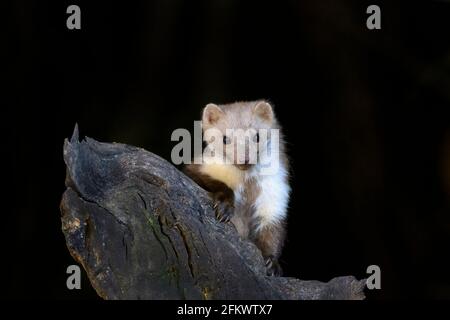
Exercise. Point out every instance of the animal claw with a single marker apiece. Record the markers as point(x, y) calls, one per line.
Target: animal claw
point(272, 267)
point(223, 211)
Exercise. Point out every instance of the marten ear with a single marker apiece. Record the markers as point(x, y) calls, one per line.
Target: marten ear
point(211, 114)
point(264, 111)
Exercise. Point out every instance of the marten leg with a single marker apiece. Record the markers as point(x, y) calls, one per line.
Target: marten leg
point(222, 195)
point(270, 239)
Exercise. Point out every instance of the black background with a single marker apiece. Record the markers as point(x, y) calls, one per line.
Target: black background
point(366, 114)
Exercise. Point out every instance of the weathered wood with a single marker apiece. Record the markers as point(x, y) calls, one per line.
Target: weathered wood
point(144, 230)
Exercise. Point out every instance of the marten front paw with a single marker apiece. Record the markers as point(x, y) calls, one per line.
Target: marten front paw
point(224, 211)
point(273, 268)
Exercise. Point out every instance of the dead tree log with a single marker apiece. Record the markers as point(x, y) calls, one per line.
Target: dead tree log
point(143, 230)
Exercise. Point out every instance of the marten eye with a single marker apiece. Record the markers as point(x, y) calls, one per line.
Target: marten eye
point(256, 138)
point(226, 140)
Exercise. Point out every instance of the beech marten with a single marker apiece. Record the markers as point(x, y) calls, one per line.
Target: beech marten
point(253, 200)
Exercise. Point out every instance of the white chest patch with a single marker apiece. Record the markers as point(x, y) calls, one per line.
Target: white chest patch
point(228, 174)
point(272, 202)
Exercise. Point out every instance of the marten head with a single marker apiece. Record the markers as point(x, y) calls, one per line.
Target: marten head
point(241, 131)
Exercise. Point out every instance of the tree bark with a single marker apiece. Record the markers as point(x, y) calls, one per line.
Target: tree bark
point(143, 230)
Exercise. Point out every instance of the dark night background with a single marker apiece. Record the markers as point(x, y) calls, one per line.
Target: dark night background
point(366, 114)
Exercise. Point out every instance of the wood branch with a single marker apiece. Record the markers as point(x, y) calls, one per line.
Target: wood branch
point(143, 230)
